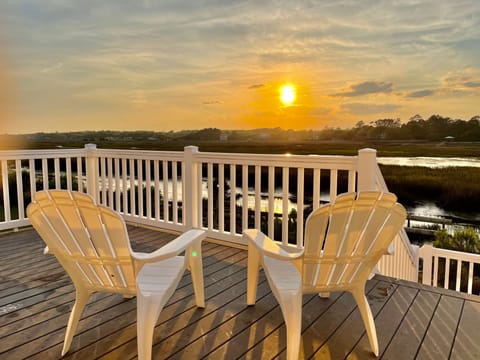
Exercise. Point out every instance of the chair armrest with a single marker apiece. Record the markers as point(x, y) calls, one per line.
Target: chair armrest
point(270, 248)
point(173, 248)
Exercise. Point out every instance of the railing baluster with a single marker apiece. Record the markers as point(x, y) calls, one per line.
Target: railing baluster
point(285, 192)
point(459, 274)
point(244, 197)
point(33, 179)
point(6, 194)
point(271, 199)
point(174, 192)
point(221, 198)
point(333, 184)
point(258, 196)
point(56, 168)
point(68, 169)
point(45, 174)
point(233, 199)
point(103, 177)
point(118, 190)
point(435, 270)
point(351, 180)
point(166, 196)
point(80, 175)
point(300, 202)
point(447, 273)
point(210, 196)
point(156, 179)
point(470, 278)
point(131, 174)
point(200, 195)
point(124, 186)
point(316, 188)
point(110, 182)
point(140, 187)
point(148, 188)
point(20, 202)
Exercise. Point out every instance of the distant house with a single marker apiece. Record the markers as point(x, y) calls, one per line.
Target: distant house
point(223, 137)
point(449, 138)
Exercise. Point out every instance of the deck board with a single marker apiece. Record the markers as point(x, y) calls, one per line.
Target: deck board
point(36, 296)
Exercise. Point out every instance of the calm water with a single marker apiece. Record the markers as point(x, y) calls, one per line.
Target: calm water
point(420, 209)
point(431, 162)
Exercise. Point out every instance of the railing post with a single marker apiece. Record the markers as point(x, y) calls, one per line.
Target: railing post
point(91, 170)
point(190, 188)
point(426, 253)
point(367, 161)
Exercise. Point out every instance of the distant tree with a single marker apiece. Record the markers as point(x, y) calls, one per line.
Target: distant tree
point(387, 123)
point(466, 240)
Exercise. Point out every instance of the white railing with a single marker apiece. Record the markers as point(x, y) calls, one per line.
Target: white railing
point(450, 269)
point(26, 171)
point(219, 192)
point(404, 259)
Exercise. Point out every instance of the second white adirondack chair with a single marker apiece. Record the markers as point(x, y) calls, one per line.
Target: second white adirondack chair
point(91, 243)
point(344, 241)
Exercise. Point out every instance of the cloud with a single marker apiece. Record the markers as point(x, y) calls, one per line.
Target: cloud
point(462, 81)
point(420, 93)
point(256, 86)
point(52, 68)
point(366, 88)
point(368, 109)
point(472, 84)
point(212, 102)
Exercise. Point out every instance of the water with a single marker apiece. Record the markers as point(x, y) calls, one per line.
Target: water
point(430, 162)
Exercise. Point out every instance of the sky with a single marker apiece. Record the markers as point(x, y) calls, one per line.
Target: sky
point(176, 64)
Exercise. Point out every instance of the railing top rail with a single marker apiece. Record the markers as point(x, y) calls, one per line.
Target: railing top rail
point(40, 154)
point(140, 154)
point(465, 256)
point(327, 161)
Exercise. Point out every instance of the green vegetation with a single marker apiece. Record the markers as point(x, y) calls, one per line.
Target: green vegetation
point(466, 240)
point(389, 136)
point(453, 188)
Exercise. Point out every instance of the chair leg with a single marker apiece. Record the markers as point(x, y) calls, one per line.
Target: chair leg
point(148, 310)
point(252, 274)
point(196, 270)
point(291, 306)
point(365, 311)
point(81, 299)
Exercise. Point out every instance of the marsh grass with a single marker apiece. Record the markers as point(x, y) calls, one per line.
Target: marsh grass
point(454, 188)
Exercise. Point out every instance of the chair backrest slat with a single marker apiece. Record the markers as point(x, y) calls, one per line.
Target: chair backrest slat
point(345, 239)
point(89, 240)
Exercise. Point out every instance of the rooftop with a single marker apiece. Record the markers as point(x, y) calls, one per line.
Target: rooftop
point(412, 320)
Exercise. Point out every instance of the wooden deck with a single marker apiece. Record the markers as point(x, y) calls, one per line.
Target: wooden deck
point(413, 321)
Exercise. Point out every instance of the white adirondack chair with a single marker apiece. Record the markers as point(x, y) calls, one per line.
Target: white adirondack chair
point(344, 241)
point(91, 243)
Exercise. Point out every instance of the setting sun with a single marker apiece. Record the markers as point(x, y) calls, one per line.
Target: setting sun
point(287, 94)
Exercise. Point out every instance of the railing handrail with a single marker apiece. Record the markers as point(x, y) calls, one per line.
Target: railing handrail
point(339, 162)
point(451, 254)
point(40, 154)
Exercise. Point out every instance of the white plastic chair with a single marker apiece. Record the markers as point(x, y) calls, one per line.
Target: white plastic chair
point(91, 243)
point(344, 241)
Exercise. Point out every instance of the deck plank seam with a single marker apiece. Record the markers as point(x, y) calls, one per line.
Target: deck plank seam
point(456, 330)
point(428, 326)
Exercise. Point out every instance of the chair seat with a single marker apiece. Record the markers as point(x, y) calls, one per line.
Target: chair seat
point(282, 274)
point(157, 278)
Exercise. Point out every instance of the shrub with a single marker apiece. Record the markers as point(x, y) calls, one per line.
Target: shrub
point(466, 240)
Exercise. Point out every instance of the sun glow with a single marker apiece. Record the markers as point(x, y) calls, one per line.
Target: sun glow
point(287, 94)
